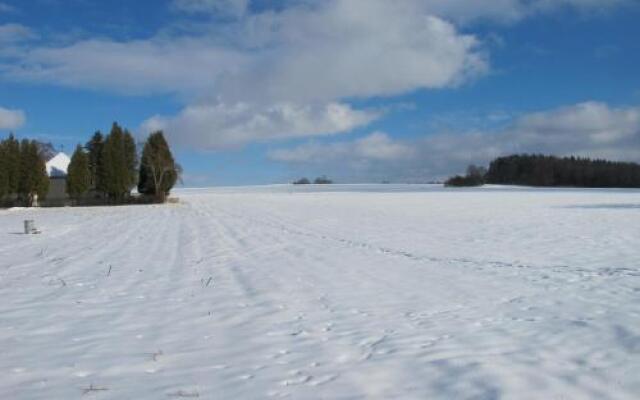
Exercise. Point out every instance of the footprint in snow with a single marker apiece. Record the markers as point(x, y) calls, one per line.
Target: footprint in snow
point(299, 379)
point(279, 354)
point(323, 380)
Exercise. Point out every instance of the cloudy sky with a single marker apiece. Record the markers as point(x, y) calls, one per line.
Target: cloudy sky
point(259, 91)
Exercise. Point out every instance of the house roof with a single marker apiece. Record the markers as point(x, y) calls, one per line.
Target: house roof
point(57, 166)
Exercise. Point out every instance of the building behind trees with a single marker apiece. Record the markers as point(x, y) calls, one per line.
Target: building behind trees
point(104, 171)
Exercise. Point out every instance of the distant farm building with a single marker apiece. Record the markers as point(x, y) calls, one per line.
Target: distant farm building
point(57, 171)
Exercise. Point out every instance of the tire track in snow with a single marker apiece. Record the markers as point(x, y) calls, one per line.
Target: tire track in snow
point(275, 311)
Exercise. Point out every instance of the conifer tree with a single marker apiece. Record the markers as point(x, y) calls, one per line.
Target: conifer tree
point(118, 158)
point(96, 166)
point(4, 177)
point(131, 159)
point(33, 178)
point(158, 170)
point(78, 174)
point(12, 162)
point(112, 159)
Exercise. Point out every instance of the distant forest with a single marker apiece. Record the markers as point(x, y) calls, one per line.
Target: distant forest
point(541, 170)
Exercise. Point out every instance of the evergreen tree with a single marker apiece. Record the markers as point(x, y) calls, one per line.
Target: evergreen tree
point(131, 159)
point(33, 173)
point(4, 176)
point(322, 180)
point(96, 166)
point(158, 170)
point(118, 158)
point(12, 164)
point(302, 181)
point(112, 159)
point(78, 174)
point(475, 177)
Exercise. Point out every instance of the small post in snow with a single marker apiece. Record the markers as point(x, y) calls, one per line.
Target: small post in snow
point(30, 227)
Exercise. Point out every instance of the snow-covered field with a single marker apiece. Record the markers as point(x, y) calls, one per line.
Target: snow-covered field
point(341, 292)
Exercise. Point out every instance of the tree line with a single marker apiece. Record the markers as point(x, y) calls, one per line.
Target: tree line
point(321, 180)
point(543, 170)
point(23, 171)
point(540, 170)
point(105, 169)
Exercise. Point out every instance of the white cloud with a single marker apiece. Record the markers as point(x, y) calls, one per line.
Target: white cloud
point(590, 129)
point(340, 50)
point(329, 52)
point(301, 56)
point(594, 122)
point(282, 58)
point(143, 66)
point(377, 146)
point(269, 75)
point(11, 119)
point(219, 126)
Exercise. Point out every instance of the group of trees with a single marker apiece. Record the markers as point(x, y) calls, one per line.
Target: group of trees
point(23, 172)
point(321, 180)
point(475, 177)
point(540, 170)
point(107, 167)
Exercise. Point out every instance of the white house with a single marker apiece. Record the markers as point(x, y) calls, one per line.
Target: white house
point(57, 171)
point(58, 165)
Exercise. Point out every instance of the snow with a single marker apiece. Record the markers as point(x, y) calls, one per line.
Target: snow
point(340, 292)
point(58, 165)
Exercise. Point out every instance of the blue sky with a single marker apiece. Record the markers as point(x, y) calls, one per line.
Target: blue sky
point(252, 92)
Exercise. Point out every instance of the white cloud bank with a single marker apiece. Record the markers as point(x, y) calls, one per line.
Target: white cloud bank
point(308, 57)
point(274, 74)
point(377, 146)
point(11, 119)
point(591, 129)
point(329, 52)
point(220, 126)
